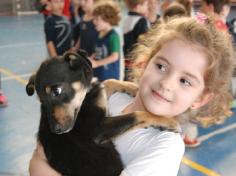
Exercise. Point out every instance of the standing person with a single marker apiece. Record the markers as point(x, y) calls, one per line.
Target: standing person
point(106, 60)
point(225, 10)
point(135, 24)
point(175, 9)
point(44, 7)
point(187, 4)
point(214, 8)
point(153, 9)
point(76, 12)
point(57, 30)
point(169, 85)
point(85, 34)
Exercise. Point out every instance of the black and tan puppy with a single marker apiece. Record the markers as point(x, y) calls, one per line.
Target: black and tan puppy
point(74, 130)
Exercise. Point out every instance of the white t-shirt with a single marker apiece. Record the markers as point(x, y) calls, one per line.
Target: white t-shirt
point(146, 152)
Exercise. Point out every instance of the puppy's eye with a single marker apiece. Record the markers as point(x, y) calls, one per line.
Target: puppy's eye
point(56, 91)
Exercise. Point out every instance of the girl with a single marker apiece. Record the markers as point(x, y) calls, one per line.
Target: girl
point(183, 65)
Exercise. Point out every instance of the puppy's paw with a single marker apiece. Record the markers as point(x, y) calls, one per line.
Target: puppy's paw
point(101, 139)
point(173, 126)
point(146, 119)
point(112, 86)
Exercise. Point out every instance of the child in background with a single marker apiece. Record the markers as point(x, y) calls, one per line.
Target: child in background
point(57, 30)
point(76, 12)
point(135, 24)
point(106, 61)
point(85, 34)
point(44, 7)
point(174, 10)
point(225, 10)
point(169, 85)
point(187, 4)
point(214, 8)
point(153, 9)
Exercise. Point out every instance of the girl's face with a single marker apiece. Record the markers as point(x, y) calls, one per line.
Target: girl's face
point(173, 80)
point(86, 5)
point(57, 6)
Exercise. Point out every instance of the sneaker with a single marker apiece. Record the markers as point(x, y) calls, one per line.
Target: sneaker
point(191, 143)
point(3, 100)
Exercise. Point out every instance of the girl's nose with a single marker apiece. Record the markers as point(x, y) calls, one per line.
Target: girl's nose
point(167, 83)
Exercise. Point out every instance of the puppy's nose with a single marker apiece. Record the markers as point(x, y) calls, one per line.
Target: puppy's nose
point(58, 129)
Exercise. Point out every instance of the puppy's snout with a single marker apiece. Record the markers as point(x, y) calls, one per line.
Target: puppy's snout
point(61, 115)
point(58, 129)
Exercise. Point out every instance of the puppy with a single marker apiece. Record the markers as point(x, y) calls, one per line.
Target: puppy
point(74, 130)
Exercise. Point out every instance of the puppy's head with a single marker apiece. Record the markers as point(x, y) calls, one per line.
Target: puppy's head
point(61, 85)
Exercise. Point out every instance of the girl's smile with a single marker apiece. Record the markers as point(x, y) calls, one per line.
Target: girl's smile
point(160, 97)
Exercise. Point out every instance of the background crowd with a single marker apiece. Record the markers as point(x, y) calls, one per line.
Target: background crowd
point(109, 36)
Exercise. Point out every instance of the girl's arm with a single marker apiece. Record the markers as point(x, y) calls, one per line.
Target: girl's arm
point(39, 165)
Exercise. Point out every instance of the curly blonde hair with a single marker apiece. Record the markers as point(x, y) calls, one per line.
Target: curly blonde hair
point(109, 12)
point(219, 51)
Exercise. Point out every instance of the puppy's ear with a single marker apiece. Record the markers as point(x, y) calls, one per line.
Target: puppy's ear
point(76, 60)
point(84, 55)
point(30, 85)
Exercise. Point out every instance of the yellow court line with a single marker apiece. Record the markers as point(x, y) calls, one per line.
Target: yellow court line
point(13, 75)
point(186, 161)
point(199, 167)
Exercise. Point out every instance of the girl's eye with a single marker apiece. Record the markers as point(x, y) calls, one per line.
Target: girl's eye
point(185, 82)
point(162, 67)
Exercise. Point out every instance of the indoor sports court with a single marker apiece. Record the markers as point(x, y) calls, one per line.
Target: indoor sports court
point(22, 49)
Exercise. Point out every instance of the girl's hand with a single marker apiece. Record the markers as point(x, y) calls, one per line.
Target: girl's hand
point(39, 165)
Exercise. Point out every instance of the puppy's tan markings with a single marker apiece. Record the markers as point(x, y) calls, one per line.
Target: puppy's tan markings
point(113, 85)
point(76, 102)
point(146, 119)
point(102, 100)
point(60, 114)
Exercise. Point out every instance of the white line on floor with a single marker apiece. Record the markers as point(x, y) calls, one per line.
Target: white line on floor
point(6, 78)
point(21, 45)
point(216, 132)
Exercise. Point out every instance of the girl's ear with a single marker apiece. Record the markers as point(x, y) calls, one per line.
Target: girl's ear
point(201, 101)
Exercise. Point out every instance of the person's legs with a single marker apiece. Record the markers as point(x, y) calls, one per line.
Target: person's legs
point(190, 134)
point(3, 98)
